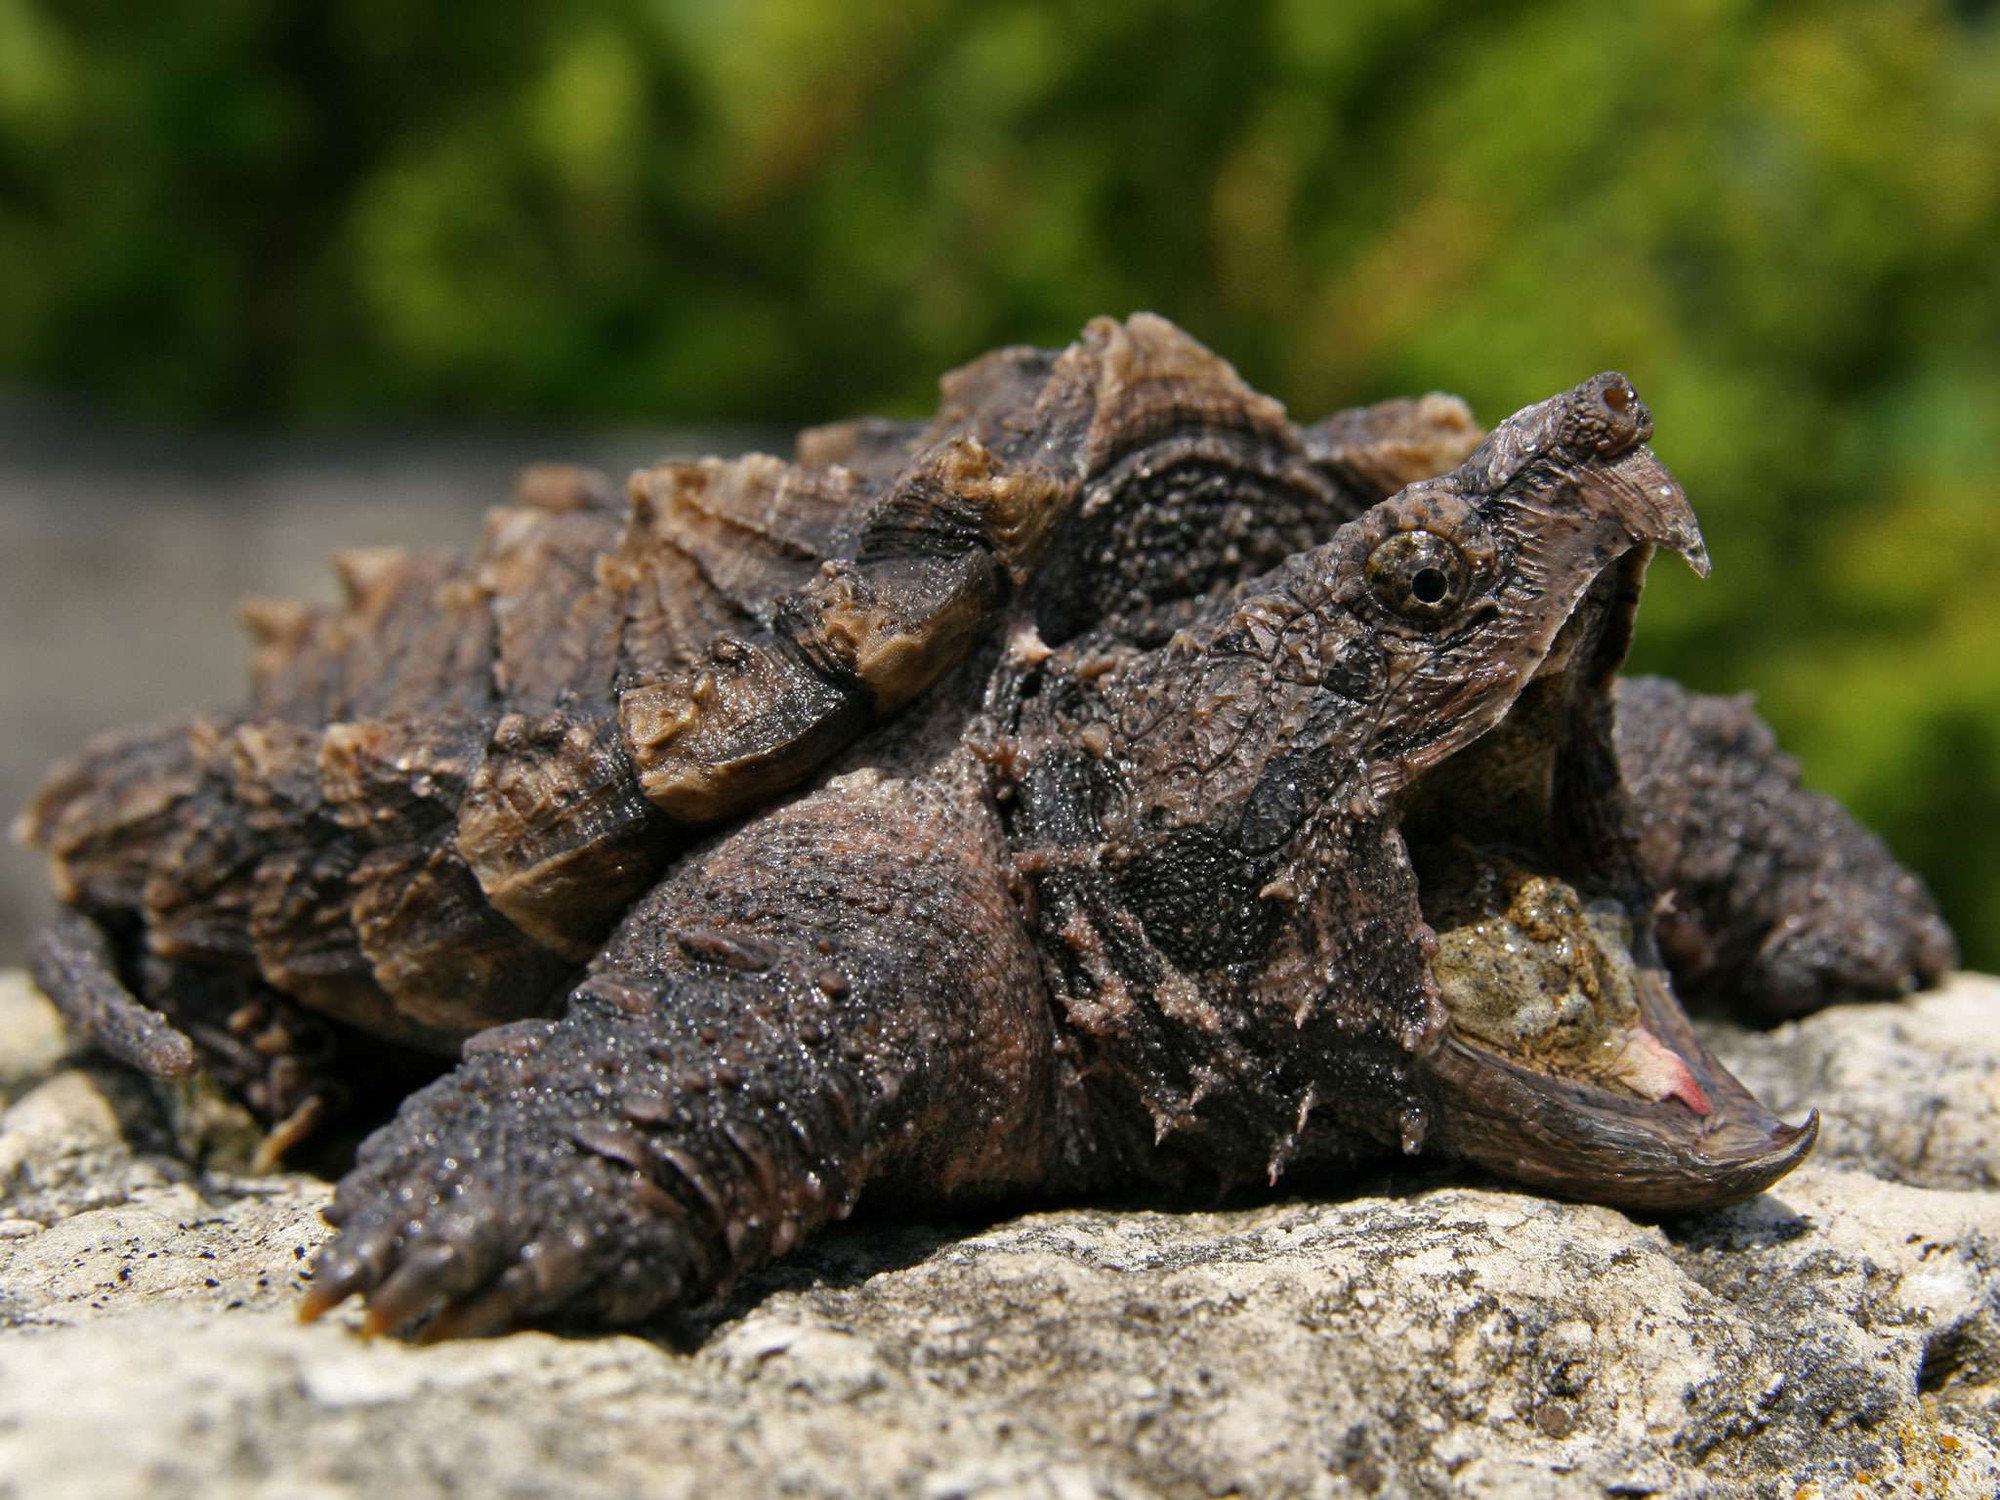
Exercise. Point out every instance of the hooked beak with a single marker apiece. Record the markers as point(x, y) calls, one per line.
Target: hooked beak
point(1600, 427)
point(1654, 506)
point(1604, 420)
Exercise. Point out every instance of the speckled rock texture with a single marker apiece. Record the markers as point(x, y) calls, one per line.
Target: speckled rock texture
point(1839, 1335)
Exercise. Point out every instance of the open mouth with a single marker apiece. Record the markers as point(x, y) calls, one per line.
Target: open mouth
point(1567, 1062)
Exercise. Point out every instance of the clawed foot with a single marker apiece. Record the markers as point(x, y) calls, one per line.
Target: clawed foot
point(1875, 936)
point(480, 1207)
point(1867, 944)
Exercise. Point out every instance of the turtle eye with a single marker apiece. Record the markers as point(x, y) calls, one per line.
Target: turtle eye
point(1419, 575)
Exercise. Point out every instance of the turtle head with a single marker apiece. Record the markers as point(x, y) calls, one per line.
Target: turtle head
point(1499, 600)
point(1348, 853)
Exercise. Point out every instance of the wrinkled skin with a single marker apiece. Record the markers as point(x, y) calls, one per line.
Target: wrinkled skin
point(1107, 785)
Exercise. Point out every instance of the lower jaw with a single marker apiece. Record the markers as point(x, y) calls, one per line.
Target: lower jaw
point(1579, 1140)
point(1661, 1127)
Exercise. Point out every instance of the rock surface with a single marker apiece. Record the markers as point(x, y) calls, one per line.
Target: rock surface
point(1837, 1336)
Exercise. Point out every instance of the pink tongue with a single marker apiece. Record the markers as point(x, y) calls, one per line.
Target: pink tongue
point(1654, 1069)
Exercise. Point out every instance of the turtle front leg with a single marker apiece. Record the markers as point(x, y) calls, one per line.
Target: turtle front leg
point(839, 995)
point(1779, 902)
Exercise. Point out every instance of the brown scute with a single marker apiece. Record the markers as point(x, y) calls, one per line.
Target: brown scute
point(399, 780)
point(1376, 450)
point(1153, 382)
point(200, 889)
point(740, 517)
point(562, 488)
point(433, 942)
point(273, 801)
point(556, 830)
point(293, 661)
point(663, 612)
point(555, 620)
point(303, 934)
point(1189, 480)
point(706, 549)
point(416, 636)
point(447, 959)
point(370, 578)
point(274, 772)
point(257, 803)
point(850, 640)
point(960, 495)
point(104, 814)
point(413, 635)
point(752, 528)
point(198, 897)
point(752, 720)
point(893, 626)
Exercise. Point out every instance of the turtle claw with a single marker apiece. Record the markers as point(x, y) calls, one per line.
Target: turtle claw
point(336, 1275)
point(430, 1273)
point(451, 1280)
point(494, 1310)
point(408, 1267)
point(459, 1219)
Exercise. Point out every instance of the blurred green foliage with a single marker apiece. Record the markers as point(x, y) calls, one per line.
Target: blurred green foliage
point(1782, 220)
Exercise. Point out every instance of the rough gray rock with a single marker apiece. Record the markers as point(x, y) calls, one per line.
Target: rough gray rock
point(1910, 1092)
point(1838, 1336)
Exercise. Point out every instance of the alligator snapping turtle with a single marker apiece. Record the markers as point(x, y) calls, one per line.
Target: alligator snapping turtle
point(1105, 785)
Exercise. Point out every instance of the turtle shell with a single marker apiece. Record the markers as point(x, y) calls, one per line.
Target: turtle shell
point(446, 789)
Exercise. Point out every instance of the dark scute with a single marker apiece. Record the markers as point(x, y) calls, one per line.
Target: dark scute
point(1174, 532)
point(922, 518)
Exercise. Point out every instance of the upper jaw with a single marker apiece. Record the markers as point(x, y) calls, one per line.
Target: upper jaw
point(1601, 428)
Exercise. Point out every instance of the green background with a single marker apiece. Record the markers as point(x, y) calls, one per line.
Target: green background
point(1782, 221)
